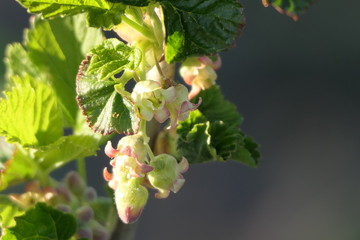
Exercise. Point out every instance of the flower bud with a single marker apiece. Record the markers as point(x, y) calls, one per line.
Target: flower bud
point(166, 175)
point(75, 183)
point(90, 194)
point(130, 199)
point(63, 207)
point(100, 233)
point(199, 72)
point(84, 232)
point(84, 214)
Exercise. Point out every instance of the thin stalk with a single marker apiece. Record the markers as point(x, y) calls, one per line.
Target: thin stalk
point(81, 166)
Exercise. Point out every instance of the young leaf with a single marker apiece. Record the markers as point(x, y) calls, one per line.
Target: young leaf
point(18, 63)
point(105, 109)
point(29, 114)
point(137, 3)
point(292, 8)
point(42, 222)
point(247, 153)
point(17, 168)
point(200, 27)
point(8, 210)
point(111, 57)
point(67, 148)
point(101, 13)
point(57, 47)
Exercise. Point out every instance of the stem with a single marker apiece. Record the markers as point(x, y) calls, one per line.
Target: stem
point(140, 28)
point(124, 231)
point(81, 166)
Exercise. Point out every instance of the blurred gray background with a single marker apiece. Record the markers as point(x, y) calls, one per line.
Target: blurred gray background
point(298, 86)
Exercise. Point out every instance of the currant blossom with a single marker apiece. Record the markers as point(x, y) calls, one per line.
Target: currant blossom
point(166, 175)
point(155, 101)
point(199, 72)
point(129, 168)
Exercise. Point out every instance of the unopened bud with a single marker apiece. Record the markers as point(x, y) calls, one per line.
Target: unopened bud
point(90, 194)
point(64, 193)
point(84, 232)
point(130, 199)
point(63, 207)
point(100, 233)
point(84, 214)
point(75, 183)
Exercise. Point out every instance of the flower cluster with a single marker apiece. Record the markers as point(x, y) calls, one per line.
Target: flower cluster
point(132, 172)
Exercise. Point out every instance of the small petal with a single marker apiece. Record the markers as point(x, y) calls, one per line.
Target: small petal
point(177, 185)
point(107, 176)
point(161, 194)
point(183, 166)
point(162, 115)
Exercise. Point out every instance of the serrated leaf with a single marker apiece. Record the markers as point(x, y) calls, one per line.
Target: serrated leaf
point(18, 63)
point(100, 12)
point(17, 168)
point(8, 210)
point(67, 148)
point(111, 57)
point(57, 47)
point(42, 222)
point(212, 132)
point(105, 109)
point(216, 108)
point(292, 8)
point(200, 27)
point(29, 114)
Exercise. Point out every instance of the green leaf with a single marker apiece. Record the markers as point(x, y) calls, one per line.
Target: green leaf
point(292, 8)
point(212, 132)
point(194, 139)
point(104, 210)
point(17, 168)
point(18, 63)
point(100, 12)
point(200, 27)
point(216, 108)
point(67, 148)
point(111, 57)
point(8, 210)
point(42, 222)
point(57, 47)
point(105, 109)
point(138, 3)
point(29, 114)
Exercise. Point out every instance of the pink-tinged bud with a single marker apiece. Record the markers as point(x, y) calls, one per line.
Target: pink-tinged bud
point(100, 233)
point(84, 232)
point(166, 175)
point(75, 183)
point(90, 194)
point(63, 207)
point(64, 193)
point(200, 72)
point(130, 199)
point(84, 214)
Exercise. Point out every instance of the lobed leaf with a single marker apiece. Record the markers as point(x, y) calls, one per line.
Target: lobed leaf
point(29, 114)
point(292, 8)
point(42, 222)
point(100, 13)
point(200, 27)
point(57, 47)
point(106, 110)
point(67, 148)
point(212, 132)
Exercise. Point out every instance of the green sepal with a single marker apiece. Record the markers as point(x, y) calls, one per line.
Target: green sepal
point(292, 8)
point(100, 13)
point(42, 222)
point(105, 109)
point(200, 27)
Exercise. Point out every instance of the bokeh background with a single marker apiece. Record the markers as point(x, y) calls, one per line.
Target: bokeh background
point(298, 86)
